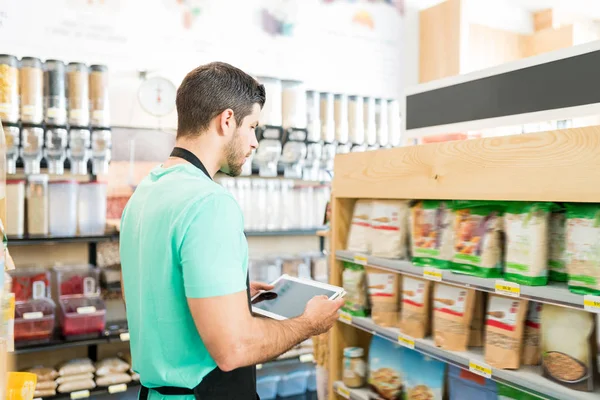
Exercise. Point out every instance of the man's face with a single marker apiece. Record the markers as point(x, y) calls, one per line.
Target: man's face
point(242, 143)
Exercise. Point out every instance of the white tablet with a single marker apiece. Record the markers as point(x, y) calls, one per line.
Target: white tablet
point(289, 297)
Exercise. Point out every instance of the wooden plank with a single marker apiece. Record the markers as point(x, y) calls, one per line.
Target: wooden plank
point(548, 40)
point(489, 47)
point(543, 20)
point(555, 165)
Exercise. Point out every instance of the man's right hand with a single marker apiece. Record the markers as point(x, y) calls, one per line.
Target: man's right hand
point(321, 313)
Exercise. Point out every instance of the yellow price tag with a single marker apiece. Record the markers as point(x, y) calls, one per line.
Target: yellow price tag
point(360, 259)
point(506, 288)
point(82, 394)
point(342, 391)
point(406, 341)
point(433, 274)
point(345, 317)
point(480, 369)
point(117, 388)
point(591, 303)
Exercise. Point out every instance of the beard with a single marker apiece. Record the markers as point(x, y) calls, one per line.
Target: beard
point(233, 154)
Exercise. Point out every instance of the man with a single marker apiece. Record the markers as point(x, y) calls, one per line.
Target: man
point(184, 255)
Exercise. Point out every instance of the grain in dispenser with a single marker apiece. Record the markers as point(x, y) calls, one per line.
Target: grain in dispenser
point(271, 111)
point(13, 143)
point(356, 126)
point(55, 150)
point(327, 115)
point(294, 105)
point(55, 92)
point(99, 103)
point(101, 150)
point(32, 137)
point(370, 123)
point(394, 123)
point(313, 139)
point(31, 79)
point(78, 93)
point(9, 88)
point(79, 150)
point(383, 135)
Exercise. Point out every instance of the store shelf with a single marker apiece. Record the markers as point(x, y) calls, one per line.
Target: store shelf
point(289, 232)
point(554, 293)
point(105, 392)
point(528, 379)
point(353, 394)
point(37, 240)
point(59, 343)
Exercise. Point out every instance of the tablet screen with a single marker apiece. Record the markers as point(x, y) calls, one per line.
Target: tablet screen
point(288, 299)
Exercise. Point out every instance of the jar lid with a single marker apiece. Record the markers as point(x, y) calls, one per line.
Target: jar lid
point(353, 352)
point(31, 62)
point(98, 68)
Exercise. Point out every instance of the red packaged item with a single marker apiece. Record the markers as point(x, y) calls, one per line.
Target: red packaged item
point(77, 280)
point(34, 320)
point(30, 283)
point(82, 315)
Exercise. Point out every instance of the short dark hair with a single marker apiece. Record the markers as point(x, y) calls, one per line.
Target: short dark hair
point(209, 90)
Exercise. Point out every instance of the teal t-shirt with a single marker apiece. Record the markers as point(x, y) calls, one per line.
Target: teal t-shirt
point(182, 235)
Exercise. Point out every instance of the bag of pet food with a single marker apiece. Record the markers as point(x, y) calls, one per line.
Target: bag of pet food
point(431, 234)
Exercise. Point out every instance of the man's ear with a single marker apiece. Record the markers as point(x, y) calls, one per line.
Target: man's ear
point(227, 123)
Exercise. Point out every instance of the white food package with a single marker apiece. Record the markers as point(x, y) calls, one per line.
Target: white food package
point(111, 366)
point(389, 228)
point(76, 366)
point(359, 235)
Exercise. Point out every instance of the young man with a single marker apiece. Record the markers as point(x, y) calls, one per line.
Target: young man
point(185, 257)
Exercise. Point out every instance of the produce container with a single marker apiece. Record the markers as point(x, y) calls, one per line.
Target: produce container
point(78, 94)
point(99, 114)
point(62, 208)
point(77, 280)
point(91, 208)
point(34, 319)
point(56, 149)
point(9, 88)
point(31, 79)
point(79, 150)
point(293, 384)
point(30, 283)
point(15, 197)
point(101, 150)
point(32, 144)
point(37, 204)
point(267, 387)
point(55, 93)
point(81, 315)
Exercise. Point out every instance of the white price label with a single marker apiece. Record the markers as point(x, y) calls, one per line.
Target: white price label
point(33, 315)
point(345, 317)
point(406, 341)
point(360, 259)
point(342, 391)
point(86, 310)
point(432, 274)
point(259, 366)
point(117, 388)
point(37, 398)
point(506, 288)
point(124, 337)
point(306, 358)
point(480, 368)
point(82, 394)
point(591, 303)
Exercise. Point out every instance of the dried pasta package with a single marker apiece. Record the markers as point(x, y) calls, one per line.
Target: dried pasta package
point(569, 347)
point(478, 238)
point(384, 288)
point(111, 366)
point(74, 386)
point(452, 313)
point(557, 252)
point(583, 247)
point(77, 366)
point(414, 314)
point(431, 234)
point(389, 228)
point(531, 337)
point(504, 331)
point(526, 226)
point(478, 321)
point(355, 285)
point(113, 379)
point(360, 228)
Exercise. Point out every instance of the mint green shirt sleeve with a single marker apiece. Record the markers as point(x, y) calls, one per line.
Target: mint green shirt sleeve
point(213, 249)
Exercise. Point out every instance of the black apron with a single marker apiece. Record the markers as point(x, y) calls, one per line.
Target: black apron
point(239, 384)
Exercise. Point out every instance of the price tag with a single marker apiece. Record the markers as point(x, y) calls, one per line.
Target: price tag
point(124, 337)
point(347, 318)
point(306, 358)
point(360, 259)
point(508, 288)
point(591, 303)
point(86, 310)
point(117, 388)
point(342, 391)
point(82, 394)
point(406, 341)
point(479, 368)
point(33, 315)
point(432, 274)
point(258, 366)
point(38, 398)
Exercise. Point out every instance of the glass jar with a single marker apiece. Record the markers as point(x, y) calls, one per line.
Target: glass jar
point(382, 123)
point(356, 126)
point(55, 92)
point(369, 121)
point(31, 77)
point(9, 88)
point(99, 113)
point(13, 142)
point(56, 149)
point(32, 137)
point(79, 150)
point(78, 94)
point(340, 107)
point(101, 150)
point(327, 118)
point(355, 370)
point(37, 204)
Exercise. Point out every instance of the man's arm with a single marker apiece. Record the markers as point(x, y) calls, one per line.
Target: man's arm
point(235, 338)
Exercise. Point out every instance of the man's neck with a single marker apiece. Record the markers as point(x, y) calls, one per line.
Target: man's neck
point(203, 149)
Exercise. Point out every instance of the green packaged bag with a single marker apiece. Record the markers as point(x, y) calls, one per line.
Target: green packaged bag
point(510, 393)
point(478, 238)
point(583, 247)
point(557, 252)
point(431, 234)
point(354, 282)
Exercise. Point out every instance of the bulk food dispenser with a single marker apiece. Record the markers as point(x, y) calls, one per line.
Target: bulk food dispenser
point(79, 150)
point(56, 149)
point(32, 139)
point(327, 136)
point(294, 124)
point(370, 123)
point(356, 125)
point(314, 145)
point(13, 142)
point(340, 108)
point(270, 134)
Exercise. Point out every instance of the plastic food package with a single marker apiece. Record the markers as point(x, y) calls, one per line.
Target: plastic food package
point(478, 238)
point(359, 235)
point(452, 313)
point(113, 379)
point(355, 285)
point(557, 255)
point(110, 366)
point(504, 331)
point(384, 296)
point(583, 247)
point(44, 374)
point(389, 228)
point(414, 315)
point(85, 384)
point(76, 366)
point(526, 226)
point(135, 376)
point(569, 347)
point(432, 234)
point(385, 370)
point(423, 376)
point(531, 337)
point(476, 336)
point(45, 385)
point(44, 393)
point(76, 377)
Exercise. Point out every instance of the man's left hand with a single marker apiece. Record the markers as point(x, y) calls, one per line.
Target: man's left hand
point(256, 287)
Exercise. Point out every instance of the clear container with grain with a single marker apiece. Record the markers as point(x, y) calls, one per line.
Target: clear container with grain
point(37, 205)
point(79, 150)
point(9, 88)
point(55, 92)
point(15, 198)
point(91, 208)
point(56, 149)
point(62, 208)
point(78, 94)
point(32, 144)
point(355, 369)
point(13, 143)
point(99, 110)
point(31, 79)
point(101, 150)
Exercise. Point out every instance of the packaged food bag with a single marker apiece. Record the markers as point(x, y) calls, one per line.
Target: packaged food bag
point(424, 377)
point(355, 284)
point(504, 331)
point(111, 365)
point(389, 228)
point(531, 339)
point(385, 368)
point(478, 321)
point(414, 314)
point(431, 234)
point(478, 238)
point(76, 366)
point(510, 393)
point(583, 247)
point(526, 226)
point(452, 313)
point(557, 252)
point(21, 386)
point(360, 228)
point(384, 296)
